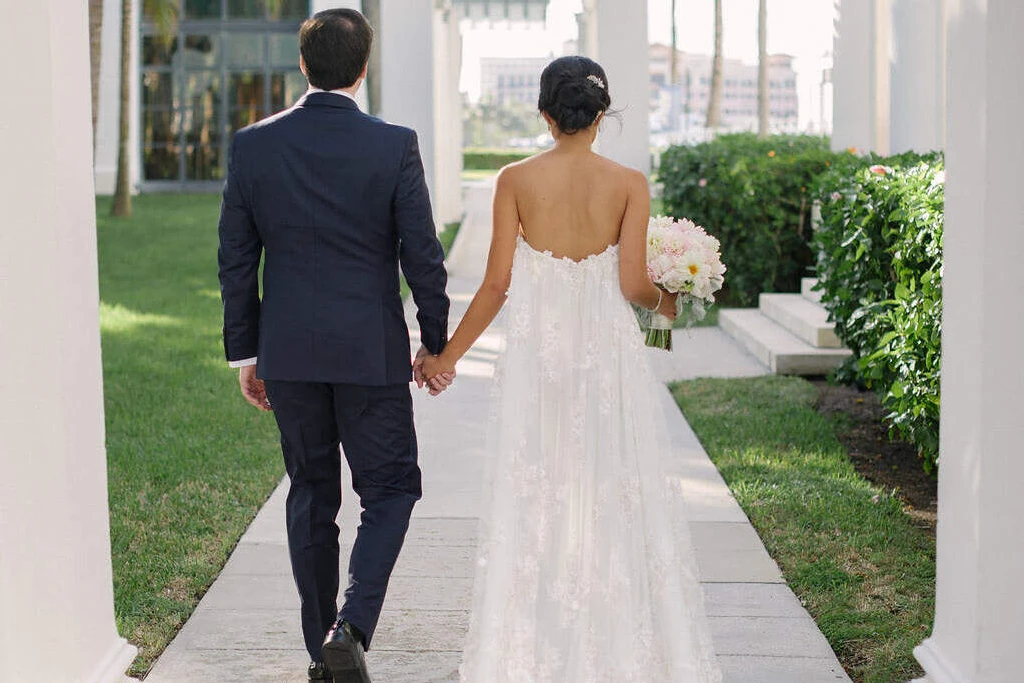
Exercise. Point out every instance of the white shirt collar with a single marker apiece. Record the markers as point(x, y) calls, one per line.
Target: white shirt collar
point(343, 93)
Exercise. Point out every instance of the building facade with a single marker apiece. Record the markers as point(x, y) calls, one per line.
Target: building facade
point(225, 64)
point(222, 65)
point(684, 106)
point(512, 80)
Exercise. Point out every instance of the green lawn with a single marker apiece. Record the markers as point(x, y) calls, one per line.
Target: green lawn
point(190, 462)
point(480, 174)
point(864, 571)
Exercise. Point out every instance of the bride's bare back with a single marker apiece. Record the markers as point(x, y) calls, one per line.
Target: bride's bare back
point(571, 204)
point(568, 201)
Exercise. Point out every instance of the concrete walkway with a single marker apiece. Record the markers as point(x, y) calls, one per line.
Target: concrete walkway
point(247, 626)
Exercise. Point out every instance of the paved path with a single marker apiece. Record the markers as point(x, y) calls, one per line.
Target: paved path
point(247, 626)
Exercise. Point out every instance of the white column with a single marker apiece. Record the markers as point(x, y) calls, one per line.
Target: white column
point(448, 116)
point(56, 594)
point(407, 73)
point(614, 34)
point(107, 120)
point(861, 75)
point(321, 5)
point(978, 628)
point(918, 76)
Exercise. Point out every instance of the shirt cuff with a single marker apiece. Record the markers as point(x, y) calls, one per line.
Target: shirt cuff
point(242, 363)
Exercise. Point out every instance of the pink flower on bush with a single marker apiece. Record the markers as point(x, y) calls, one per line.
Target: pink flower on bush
point(878, 169)
point(836, 196)
point(703, 182)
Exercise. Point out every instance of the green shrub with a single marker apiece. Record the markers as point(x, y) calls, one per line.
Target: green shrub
point(755, 195)
point(880, 274)
point(486, 159)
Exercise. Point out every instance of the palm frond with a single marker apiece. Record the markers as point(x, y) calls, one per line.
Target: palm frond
point(165, 17)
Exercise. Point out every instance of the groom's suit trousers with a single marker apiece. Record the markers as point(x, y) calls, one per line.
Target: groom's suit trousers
point(374, 426)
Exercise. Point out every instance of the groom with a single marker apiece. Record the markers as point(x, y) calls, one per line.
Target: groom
point(334, 200)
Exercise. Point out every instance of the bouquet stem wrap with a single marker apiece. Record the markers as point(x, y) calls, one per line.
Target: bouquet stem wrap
point(658, 332)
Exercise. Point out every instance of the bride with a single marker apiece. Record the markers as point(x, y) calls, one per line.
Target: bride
point(586, 573)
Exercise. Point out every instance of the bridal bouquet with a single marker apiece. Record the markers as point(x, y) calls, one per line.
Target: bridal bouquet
point(682, 258)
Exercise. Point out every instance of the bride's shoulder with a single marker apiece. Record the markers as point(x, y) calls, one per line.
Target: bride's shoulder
point(620, 172)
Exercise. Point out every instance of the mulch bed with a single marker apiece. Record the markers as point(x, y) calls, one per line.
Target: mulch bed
point(892, 465)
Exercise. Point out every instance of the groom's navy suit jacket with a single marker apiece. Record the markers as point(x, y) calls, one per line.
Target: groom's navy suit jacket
point(335, 200)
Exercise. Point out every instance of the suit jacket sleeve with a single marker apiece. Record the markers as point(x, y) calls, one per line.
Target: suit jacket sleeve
point(239, 261)
point(420, 252)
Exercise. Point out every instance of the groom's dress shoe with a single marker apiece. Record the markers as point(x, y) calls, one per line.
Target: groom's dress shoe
point(319, 672)
point(343, 654)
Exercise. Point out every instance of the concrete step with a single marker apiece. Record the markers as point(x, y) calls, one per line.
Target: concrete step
point(805, 319)
point(777, 348)
point(806, 283)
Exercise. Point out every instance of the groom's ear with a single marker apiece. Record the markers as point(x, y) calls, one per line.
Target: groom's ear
point(366, 69)
point(302, 67)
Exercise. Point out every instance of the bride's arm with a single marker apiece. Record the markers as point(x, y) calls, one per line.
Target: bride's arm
point(492, 293)
point(634, 281)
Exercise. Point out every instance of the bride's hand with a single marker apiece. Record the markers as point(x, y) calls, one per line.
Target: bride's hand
point(668, 305)
point(433, 368)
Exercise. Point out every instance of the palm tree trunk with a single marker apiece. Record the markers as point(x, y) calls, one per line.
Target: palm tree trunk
point(673, 58)
point(763, 91)
point(95, 53)
point(123, 192)
point(371, 9)
point(715, 96)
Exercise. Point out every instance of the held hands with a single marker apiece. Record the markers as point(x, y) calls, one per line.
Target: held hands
point(253, 389)
point(438, 373)
point(428, 371)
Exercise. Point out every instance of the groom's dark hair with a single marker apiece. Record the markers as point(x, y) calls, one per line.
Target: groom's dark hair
point(335, 45)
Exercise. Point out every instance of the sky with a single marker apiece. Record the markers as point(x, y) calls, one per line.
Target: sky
point(802, 28)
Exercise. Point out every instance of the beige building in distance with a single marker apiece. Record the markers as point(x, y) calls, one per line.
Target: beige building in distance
point(688, 111)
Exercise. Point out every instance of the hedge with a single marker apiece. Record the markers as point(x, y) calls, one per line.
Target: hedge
point(755, 195)
point(486, 159)
point(880, 275)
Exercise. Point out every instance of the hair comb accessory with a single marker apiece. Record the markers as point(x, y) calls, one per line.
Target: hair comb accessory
point(596, 80)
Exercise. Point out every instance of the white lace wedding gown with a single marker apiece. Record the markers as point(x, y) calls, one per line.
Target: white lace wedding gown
point(585, 574)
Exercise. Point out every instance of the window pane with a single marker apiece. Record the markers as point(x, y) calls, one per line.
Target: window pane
point(157, 89)
point(158, 52)
point(160, 163)
point(240, 118)
point(203, 163)
point(245, 99)
point(201, 116)
point(246, 9)
point(159, 127)
point(286, 89)
point(284, 50)
point(243, 49)
point(201, 52)
point(202, 9)
point(289, 9)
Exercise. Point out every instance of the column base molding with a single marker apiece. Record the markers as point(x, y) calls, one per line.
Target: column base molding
point(937, 668)
point(113, 665)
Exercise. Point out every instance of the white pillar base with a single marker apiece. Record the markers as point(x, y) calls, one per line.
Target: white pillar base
point(937, 668)
point(111, 669)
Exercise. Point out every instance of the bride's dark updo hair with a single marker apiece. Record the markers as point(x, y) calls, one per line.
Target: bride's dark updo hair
point(573, 92)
